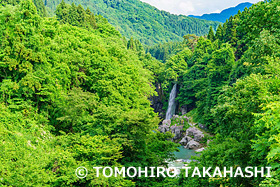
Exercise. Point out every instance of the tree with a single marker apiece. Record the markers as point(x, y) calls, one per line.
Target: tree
point(150, 26)
point(72, 96)
point(90, 19)
point(62, 12)
point(210, 35)
point(131, 44)
point(38, 3)
point(81, 15)
point(219, 33)
point(73, 16)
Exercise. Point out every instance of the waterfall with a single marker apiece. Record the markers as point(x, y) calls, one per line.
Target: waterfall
point(171, 103)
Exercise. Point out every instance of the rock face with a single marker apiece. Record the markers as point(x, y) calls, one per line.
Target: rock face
point(192, 138)
point(185, 140)
point(197, 134)
point(192, 145)
point(166, 122)
point(193, 135)
point(177, 133)
point(183, 110)
point(157, 101)
point(177, 130)
point(163, 128)
point(198, 137)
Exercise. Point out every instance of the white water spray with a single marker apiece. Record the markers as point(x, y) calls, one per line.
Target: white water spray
point(171, 103)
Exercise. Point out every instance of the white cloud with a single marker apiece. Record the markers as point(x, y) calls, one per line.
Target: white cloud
point(217, 11)
point(195, 7)
point(186, 6)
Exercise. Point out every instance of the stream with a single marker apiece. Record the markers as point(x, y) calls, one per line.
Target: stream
point(181, 157)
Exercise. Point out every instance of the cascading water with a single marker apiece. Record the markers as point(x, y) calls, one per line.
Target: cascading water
point(185, 154)
point(171, 103)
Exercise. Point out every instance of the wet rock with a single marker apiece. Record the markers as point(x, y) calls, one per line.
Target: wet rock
point(179, 160)
point(166, 122)
point(163, 128)
point(185, 140)
point(184, 110)
point(177, 134)
point(177, 131)
point(175, 117)
point(200, 150)
point(192, 145)
point(198, 137)
point(197, 134)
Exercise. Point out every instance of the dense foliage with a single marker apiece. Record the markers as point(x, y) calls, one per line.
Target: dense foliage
point(74, 94)
point(142, 21)
point(231, 81)
point(38, 3)
point(165, 51)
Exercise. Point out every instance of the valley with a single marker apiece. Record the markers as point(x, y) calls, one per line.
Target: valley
point(107, 83)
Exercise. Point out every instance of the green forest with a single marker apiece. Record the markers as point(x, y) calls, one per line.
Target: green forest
point(134, 18)
point(76, 84)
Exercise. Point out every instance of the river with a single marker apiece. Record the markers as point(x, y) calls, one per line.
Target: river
point(181, 157)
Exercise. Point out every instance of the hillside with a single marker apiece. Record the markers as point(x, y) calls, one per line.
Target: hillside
point(225, 14)
point(142, 21)
point(73, 96)
point(38, 3)
point(230, 83)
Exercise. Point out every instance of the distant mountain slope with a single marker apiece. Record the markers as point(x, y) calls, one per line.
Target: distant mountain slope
point(142, 21)
point(225, 14)
point(38, 3)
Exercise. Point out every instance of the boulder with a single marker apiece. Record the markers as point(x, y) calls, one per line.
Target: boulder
point(177, 131)
point(188, 138)
point(166, 122)
point(174, 127)
point(197, 134)
point(181, 127)
point(175, 117)
point(200, 150)
point(177, 134)
point(191, 131)
point(192, 145)
point(185, 140)
point(163, 128)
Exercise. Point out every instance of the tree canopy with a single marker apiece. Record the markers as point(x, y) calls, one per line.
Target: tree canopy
point(72, 93)
point(134, 18)
point(230, 82)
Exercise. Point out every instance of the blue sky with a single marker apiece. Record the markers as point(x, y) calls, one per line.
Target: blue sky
point(195, 7)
